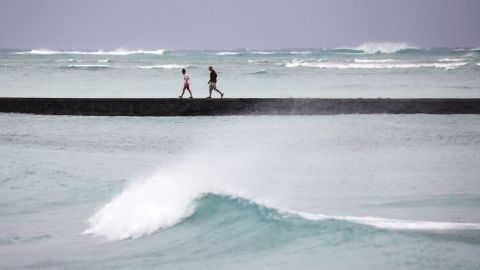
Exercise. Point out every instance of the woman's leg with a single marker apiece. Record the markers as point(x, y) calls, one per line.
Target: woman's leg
point(183, 91)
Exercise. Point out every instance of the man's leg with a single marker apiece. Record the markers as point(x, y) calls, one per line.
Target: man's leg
point(218, 90)
point(210, 89)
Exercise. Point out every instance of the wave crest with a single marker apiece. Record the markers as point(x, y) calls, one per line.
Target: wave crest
point(100, 52)
point(87, 67)
point(146, 207)
point(167, 66)
point(383, 47)
point(375, 65)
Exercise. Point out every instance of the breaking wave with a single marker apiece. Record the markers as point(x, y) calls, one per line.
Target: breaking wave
point(375, 60)
point(383, 47)
point(167, 66)
point(100, 52)
point(374, 65)
point(146, 207)
point(451, 60)
point(227, 53)
point(86, 67)
point(301, 52)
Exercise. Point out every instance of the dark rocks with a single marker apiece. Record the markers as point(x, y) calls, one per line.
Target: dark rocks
point(232, 106)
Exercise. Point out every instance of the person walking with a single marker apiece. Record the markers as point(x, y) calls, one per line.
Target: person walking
point(186, 84)
point(213, 83)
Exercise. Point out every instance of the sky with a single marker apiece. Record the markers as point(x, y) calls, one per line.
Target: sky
point(234, 24)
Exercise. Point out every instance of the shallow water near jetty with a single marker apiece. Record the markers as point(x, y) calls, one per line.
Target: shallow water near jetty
point(285, 192)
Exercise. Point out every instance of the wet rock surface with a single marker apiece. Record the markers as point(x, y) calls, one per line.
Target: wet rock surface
point(235, 106)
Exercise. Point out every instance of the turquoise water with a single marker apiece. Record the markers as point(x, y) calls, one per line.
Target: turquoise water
point(267, 192)
point(371, 70)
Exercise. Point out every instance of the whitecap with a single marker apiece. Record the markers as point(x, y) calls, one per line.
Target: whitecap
point(383, 47)
point(395, 224)
point(103, 61)
point(86, 66)
point(331, 65)
point(146, 207)
point(301, 52)
point(374, 60)
point(168, 66)
point(227, 53)
point(264, 53)
point(451, 59)
point(100, 52)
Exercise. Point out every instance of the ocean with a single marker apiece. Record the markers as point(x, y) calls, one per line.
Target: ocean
point(371, 70)
point(241, 192)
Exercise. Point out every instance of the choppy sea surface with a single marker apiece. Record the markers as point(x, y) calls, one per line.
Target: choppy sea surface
point(370, 70)
point(240, 192)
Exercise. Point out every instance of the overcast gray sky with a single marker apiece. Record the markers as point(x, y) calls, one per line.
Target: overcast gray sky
point(229, 24)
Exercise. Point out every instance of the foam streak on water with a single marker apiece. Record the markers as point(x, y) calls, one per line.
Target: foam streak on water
point(371, 70)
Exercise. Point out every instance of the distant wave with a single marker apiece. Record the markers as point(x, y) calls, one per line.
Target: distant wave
point(452, 60)
point(381, 47)
point(146, 207)
point(100, 52)
point(264, 53)
point(301, 52)
point(258, 72)
point(258, 61)
point(65, 60)
point(168, 66)
point(374, 60)
point(227, 53)
point(332, 65)
point(87, 67)
point(104, 61)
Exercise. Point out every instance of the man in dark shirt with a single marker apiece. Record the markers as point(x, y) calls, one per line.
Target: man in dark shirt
point(213, 83)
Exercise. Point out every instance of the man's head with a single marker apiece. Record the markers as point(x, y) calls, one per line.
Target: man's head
point(210, 68)
point(184, 71)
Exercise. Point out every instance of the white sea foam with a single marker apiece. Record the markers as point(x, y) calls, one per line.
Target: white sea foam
point(65, 60)
point(103, 61)
point(227, 53)
point(100, 52)
point(334, 65)
point(301, 52)
point(167, 66)
point(86, 66)
point(451, 60)
point(265, 53)
point(375, 60)
point(395, 224)
point(383, 47)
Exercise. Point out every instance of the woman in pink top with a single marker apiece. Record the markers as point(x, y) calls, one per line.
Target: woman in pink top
point(186, 85)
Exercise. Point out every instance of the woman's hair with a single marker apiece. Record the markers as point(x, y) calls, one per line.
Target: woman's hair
point(183, 70)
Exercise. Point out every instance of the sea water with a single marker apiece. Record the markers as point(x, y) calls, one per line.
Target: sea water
point(371, 70)
point(238, 192)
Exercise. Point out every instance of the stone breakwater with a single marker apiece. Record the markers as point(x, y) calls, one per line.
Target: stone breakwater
point(235, 106)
